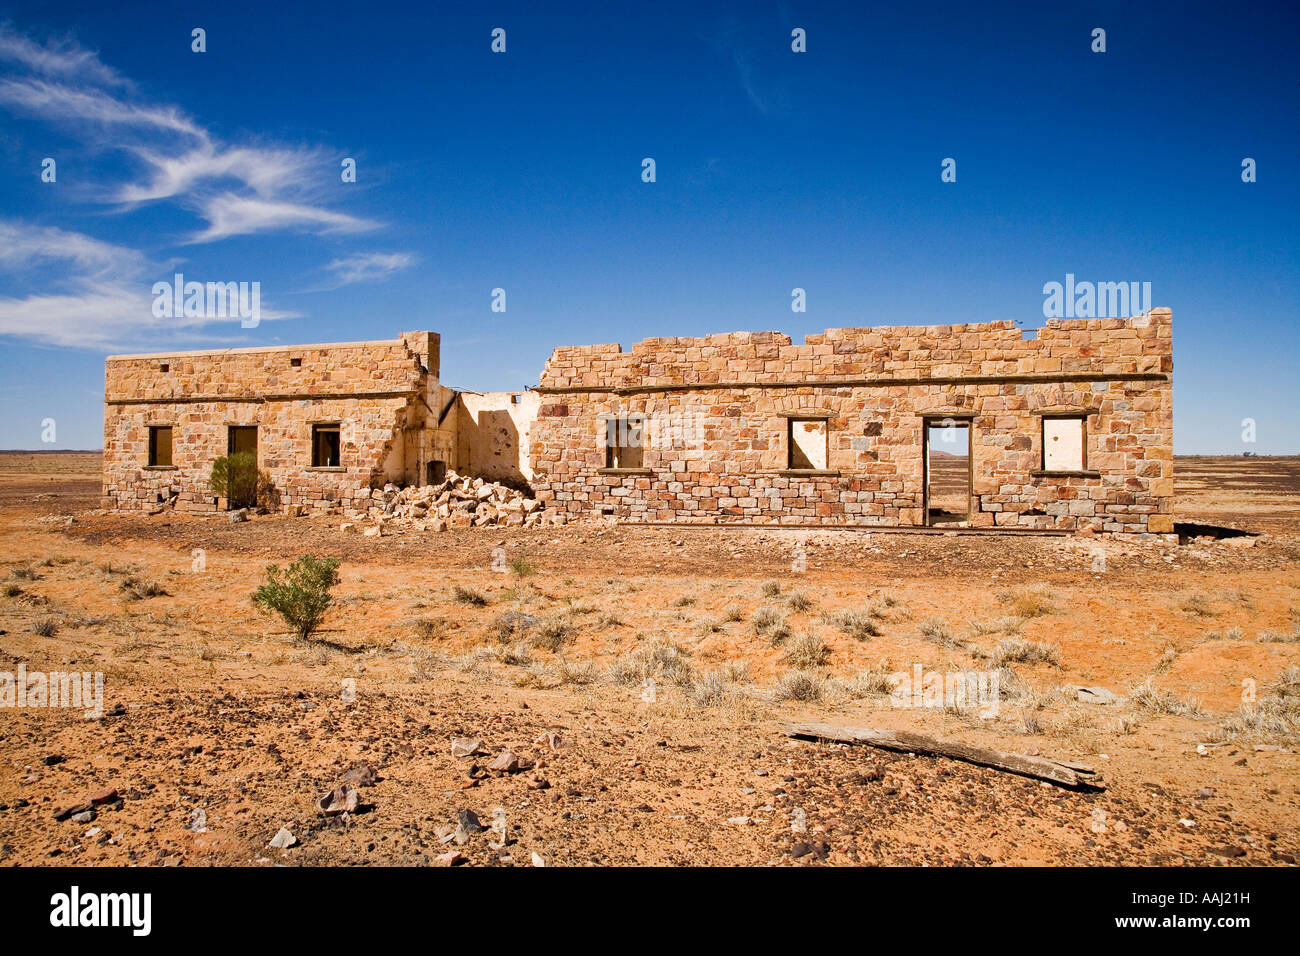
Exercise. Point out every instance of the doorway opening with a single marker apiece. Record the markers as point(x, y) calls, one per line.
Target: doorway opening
point(435, 472)
point(242, 439)
point(947, 472)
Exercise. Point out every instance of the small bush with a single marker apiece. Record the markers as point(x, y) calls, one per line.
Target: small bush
point(513, 626)
point(1032, 722)
point(521, 567)
point(857, 624)
point(770, 623)
point(798, 601)
point(1146, 696)
point(552, 633)
point(1016, 650)
point(137, 589)
point(13, 591)
point(1031, 602)
point(468, 596)
point(1276, 714)
point(937, 631)
point(869, 684)
point(733, 613)
point(659, 659)
point(235, 478)
point(1197, 604)
point(800, 685)
point(429, 627)
point(771, 589)
point(712, 690)
point(24, 572)
point(580, 674)
point(1011, 626)
point(1275, 637)
point(517, 655)
point(684, 601)
point(807, 651)
point(47, 627)
point(738, 672)
point(300, 593)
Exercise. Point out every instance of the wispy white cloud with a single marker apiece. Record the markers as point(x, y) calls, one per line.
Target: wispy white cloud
point(369, 267)
point(238, 189)
point(60, 102)
point(63, 58)
point(232, 215)
point(100, 294)
point(23, 247)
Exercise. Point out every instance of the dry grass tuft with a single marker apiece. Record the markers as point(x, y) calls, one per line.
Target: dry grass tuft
point(1276, 715)
point(552, 633)
point(46, 627)
point(800, 685)
point(1017, 650)
point(660, 659)
point(468, 596)
point(1029, 602)
point(798, 601)
point(1146, 696)
point(137, 589)
point(807, 651)
point(857, 624)
point(770, 623)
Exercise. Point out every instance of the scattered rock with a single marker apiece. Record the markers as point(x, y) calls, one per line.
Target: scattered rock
point(107, 795)
point(361, 774)
point(235, 517)
point(509, 762)
point(1095, 695)
point(283, 840)
point(85, 816)
point(469, 821)
point(342, 799)
point(69, 811)
point(465, 746)
point(453, 858)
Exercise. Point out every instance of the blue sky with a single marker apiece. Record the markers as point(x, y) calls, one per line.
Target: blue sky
point(522, 170)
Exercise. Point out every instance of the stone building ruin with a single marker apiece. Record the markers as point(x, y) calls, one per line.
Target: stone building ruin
point(1069, 428)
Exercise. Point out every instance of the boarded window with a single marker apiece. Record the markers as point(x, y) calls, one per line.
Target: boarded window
point(160, 445)
point(624, 442)
point(242, 440)
point(325, 446)
point(808, 444)
point(1064, 444)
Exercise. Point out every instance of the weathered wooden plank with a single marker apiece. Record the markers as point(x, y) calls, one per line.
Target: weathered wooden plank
point(1041, 768)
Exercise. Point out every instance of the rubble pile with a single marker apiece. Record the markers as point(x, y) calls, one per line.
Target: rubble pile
point(458, 502)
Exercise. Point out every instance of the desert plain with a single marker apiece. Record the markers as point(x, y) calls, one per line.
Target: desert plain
point(643, 678)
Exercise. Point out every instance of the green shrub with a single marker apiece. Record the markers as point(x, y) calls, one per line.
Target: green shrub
point(235, 478)
point(300, 593)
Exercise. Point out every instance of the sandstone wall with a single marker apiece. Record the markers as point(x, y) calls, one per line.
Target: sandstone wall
point(493, 434)
point(717, 409)
point(378, 392)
